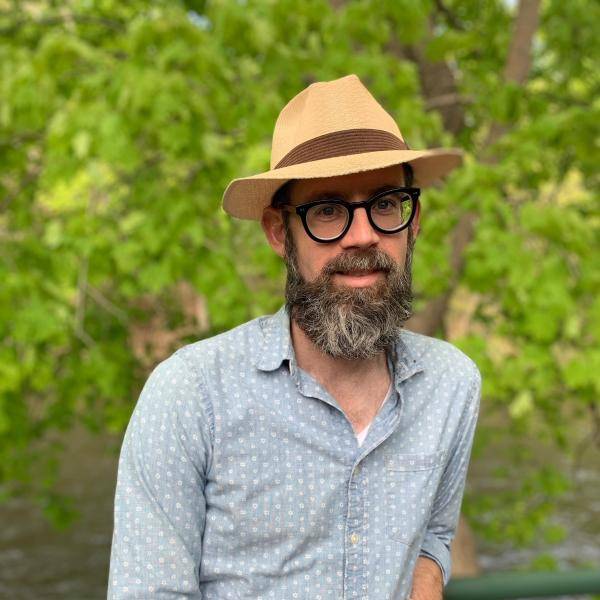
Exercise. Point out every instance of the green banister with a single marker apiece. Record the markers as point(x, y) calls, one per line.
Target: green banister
point(539, 584)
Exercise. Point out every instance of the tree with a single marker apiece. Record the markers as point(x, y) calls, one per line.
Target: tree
point(122, 123)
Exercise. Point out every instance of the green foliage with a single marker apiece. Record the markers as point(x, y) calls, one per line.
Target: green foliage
point(520, 511)
point(122, 123)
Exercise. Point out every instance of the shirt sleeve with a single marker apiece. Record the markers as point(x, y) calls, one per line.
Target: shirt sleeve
point(446, 508)
point(159, 510)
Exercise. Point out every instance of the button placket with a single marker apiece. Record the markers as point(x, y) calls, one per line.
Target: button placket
point(354, 576)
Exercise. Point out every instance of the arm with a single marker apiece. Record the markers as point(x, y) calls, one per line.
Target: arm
point(446, 507)
point(159, 500)
point(428, 580)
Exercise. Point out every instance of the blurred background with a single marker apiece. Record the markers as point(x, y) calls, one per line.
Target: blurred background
point(121, 124)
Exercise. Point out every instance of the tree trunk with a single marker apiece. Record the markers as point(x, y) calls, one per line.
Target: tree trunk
point(518, 63)
point(437, 81)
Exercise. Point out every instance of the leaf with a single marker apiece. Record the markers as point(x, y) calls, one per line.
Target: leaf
point(81, 144)
point(522, 405)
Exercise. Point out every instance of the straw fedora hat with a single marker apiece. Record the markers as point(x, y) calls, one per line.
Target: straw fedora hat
point(333, 128)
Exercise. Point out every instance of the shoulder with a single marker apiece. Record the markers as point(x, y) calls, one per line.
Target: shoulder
point(440, 356)
point(233, 348)
point(227, 339)
point(186, 377)
point(185, 369)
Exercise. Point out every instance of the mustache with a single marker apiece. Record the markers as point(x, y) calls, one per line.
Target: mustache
point(359, 260)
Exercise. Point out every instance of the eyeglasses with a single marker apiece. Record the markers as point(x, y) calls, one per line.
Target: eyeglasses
point(329, 220)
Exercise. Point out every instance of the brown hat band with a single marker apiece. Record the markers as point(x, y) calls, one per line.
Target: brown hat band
point(342, 143)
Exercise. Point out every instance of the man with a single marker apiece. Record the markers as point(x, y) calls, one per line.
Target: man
point(319, 453)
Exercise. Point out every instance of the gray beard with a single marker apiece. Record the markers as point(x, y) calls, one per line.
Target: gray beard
point(345, 322)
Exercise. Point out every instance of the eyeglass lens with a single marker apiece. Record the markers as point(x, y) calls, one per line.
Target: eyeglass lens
point(389, 212)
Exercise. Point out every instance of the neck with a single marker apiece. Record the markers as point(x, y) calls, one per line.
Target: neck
point(332, 370)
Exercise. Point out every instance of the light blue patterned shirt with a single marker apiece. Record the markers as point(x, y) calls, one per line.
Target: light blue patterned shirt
point(241, 477)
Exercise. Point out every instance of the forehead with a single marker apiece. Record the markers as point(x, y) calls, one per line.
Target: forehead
point(354, 185)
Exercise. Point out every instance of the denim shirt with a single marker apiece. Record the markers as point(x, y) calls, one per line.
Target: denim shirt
point(241, 477)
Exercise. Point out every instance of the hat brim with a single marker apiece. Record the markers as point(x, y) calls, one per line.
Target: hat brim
point(247, 197)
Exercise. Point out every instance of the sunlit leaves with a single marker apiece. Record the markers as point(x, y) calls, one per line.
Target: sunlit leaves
point(122, 123)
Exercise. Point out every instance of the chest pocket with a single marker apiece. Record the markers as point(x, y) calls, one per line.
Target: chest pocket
point(411, 482)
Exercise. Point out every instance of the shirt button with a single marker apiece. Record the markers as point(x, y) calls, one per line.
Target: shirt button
point(354, 538)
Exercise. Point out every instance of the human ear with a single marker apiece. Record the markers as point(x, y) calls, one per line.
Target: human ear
point(415, 222)
point(274, 228)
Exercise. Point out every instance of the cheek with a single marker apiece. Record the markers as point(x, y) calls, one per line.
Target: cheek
point(396, 248)
point(312, 257)
point(311, 264)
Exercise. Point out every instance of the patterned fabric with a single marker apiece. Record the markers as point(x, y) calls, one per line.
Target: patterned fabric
point(362, 435)
point(241, 477)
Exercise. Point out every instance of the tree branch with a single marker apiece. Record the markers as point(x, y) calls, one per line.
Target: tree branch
point(518, 61)
point(449, 15)
point(62, 20)
point(518, 65)
point(431, 318)
point(450, 99)
point(106, 304)
point(79, 329)
point(437, 81)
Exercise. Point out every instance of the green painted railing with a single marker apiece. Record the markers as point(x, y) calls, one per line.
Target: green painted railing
point(504, 586)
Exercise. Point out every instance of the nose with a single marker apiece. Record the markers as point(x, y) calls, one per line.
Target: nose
point(361, 234)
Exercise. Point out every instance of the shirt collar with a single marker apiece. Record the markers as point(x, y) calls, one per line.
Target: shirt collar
point(405, 359)
point(276, 341)
point(276, 346)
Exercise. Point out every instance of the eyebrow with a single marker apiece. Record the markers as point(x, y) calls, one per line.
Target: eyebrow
point(325, 195)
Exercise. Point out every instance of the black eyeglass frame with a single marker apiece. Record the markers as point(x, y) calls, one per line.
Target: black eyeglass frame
point(302, 211)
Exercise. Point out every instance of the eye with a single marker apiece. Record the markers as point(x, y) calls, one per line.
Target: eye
point(387, 204)
point(328, 212)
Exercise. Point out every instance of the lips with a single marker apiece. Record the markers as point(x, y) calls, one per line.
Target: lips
point(359, 273)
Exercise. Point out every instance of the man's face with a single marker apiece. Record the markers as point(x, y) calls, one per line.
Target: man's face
point(313, 256)
point(350, 296)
